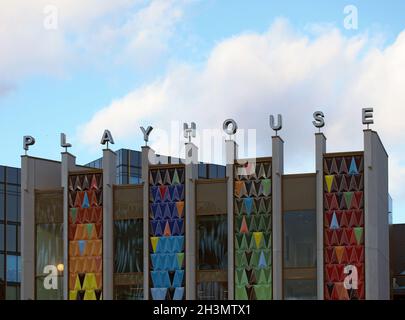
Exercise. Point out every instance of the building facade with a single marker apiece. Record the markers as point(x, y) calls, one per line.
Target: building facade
point(10, 233)
point(179, 232)
point(397, 260)
point(129, 167)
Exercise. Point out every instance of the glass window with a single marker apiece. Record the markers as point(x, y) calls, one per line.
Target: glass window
point(135, 159)
point(49, 251)
point(12, 292)
point(128, 246)
point(136, 171)
point(123, 156)
point(2, 290)
point(213, 172)
point(212, 242)
point(12, 175)
point(49, 246)
point(300, 254)
point(221, 172)
point(13, 268)
point(2, 276)
point(202, 170)
point(2, 204)
point(2, 176)
point(299, 289)
point(124, 179)
point(134, 180)
point(212, 290)
point(128, 292)
point(123, 170)
point(19, 238)
point(300, 239)
point(12, 206)
point(11, 238)
point(1, 237)
point(42, 293)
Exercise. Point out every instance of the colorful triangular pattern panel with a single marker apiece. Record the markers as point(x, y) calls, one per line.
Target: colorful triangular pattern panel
point(253, 229)
point(85, 225)
point(167, 209)
point(344, 227)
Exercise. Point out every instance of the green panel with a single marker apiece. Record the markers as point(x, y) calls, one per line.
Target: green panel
point(241, 278)
point(263, 292)
point(257, 239)
point(240, 293)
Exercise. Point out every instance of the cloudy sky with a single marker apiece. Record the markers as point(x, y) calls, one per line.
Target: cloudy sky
point(82, 66)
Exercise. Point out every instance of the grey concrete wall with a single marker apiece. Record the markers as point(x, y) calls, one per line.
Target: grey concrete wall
point(109, 177)
point(191, 175)
point(36, 173)
point(277, 227)
point(320, 149)
point(68, 164)
point(231, 149)
point(376, 218)
point(148, 156)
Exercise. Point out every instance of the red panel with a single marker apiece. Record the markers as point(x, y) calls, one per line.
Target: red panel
point(349, 216)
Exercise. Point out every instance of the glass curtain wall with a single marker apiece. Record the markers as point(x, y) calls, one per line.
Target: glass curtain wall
point(49, 245)
point(128, 243)
point(10, 226)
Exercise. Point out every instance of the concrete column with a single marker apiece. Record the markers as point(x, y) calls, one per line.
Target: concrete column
point(277, 227)
point(148, 155)
point(191, 175)
point(68, 164)
point(320, 149)
point(376, 225)
point(36, 174)
point(27, 228)
point(231, 149)
point(109, 178)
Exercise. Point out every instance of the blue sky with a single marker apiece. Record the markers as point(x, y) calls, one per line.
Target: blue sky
point(104, 59)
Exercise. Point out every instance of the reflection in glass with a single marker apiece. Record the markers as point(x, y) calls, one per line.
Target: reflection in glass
point(12, 292)
point(49, 246)
point(12, 175)
point(49, 294)
point(299, 239)
point(128, 292)
point(12, 206)
point(2, 276)
point(13, 272)
point(49, 251)
point(128, 245)
point(2, 203)
point(212, 291)
point(1, 237)
point(212, 242)
point(300, 289)
point(128, 286)
point(11, 238)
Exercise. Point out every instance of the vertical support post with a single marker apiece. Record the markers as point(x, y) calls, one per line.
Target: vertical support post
point(277, 175)
point(68, 164)
point(376, 226)
point(109, 176)
point(147, 155)
point(231, 149)
point(320, 150)
point(191, 174)
point(27, 228)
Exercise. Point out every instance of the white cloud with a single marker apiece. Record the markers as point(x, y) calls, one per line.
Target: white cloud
point(251, 75)
point(89, 33)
